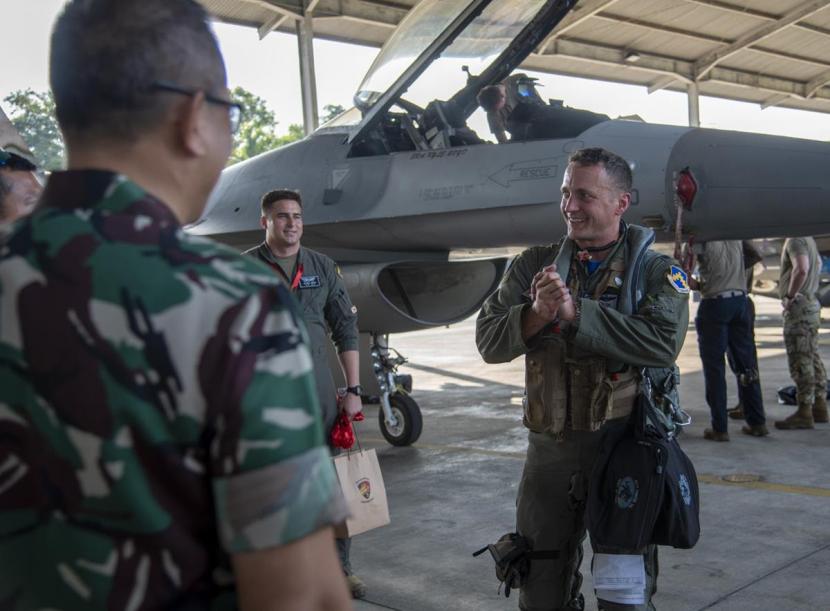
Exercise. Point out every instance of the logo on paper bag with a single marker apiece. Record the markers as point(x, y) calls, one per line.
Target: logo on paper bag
point(627, 492)
point(364, 487)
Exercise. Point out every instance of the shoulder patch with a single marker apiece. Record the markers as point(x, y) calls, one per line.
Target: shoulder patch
point(678, 279)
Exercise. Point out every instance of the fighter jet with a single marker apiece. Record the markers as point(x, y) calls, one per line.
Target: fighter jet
point(398, 182)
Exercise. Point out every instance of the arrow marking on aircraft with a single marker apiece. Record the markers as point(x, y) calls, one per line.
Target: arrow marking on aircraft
point(537, 169)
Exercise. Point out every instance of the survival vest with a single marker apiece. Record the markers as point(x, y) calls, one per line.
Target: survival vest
point(581, 392)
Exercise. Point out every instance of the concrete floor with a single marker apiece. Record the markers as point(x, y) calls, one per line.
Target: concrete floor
point(764, 545)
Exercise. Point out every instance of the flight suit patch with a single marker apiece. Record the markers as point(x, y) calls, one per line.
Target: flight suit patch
point(678, 279)
point(310, 282)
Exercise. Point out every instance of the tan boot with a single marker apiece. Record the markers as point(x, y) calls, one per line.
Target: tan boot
point(801, 419)
point(356, 586)
point(820, 410)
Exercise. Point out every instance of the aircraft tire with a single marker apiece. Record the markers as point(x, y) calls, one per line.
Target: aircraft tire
point(411, 422)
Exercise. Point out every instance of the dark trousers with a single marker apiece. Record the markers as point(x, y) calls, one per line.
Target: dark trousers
point(730, 358)
point(723, 324)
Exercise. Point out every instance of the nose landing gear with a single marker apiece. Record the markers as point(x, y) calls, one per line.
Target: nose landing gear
point(399, 416)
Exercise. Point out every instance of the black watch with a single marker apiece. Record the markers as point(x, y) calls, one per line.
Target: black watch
point(355, 390)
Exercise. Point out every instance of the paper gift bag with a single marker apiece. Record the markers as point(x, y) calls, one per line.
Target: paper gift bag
point(362, 485)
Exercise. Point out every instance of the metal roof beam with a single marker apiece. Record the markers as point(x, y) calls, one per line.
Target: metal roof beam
point(774, 100)
point(813, 87)
point(275, 8)
point(709, 61)
point(613, 56)
point(746, 11)
point(580, 13)
point(374, 13)
point(661, 83)
point(656, 27)
point(674, 69)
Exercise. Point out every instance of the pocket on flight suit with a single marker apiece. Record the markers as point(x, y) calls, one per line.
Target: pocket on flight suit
point(545, 397)
point(591, 394)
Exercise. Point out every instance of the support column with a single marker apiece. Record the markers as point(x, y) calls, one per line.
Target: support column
point(308, 80)
point(694, 105)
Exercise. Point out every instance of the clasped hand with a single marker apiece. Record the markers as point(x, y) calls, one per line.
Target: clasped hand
point(551, 297)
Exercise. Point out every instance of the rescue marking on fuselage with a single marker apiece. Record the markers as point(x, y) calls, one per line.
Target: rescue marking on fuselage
point(535, 169)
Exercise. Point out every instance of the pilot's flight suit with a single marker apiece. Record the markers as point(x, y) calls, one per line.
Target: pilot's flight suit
point(578, 377)
point(326, 308)
point(801, 324)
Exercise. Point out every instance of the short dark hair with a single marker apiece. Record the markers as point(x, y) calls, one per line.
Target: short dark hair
point(106, 56)
point(615, 166)
point(270, 198)
point(489, 96)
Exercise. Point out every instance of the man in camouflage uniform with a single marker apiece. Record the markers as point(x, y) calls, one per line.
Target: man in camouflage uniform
point(161, 439)
point(569, 308)
point(798, 287)
point(315, 281)
point(19, 187)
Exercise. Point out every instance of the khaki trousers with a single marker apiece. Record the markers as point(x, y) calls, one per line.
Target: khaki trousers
point(550, 513)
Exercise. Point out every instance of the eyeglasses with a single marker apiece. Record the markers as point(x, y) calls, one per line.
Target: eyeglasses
point(235, 109)
point(15, 162)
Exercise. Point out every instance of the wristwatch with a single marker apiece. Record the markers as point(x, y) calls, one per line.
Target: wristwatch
point(355, 390)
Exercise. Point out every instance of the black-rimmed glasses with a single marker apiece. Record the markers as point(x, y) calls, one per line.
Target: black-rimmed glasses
point(235, 109)
point(13, 161)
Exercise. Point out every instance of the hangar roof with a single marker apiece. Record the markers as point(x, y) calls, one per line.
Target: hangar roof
point(771, 52)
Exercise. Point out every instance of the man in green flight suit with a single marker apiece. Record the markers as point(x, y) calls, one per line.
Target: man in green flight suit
point(798, 286)
point(315, 281)
point(585, 325)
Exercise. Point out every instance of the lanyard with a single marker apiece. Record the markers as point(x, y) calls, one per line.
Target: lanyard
point(297, 277)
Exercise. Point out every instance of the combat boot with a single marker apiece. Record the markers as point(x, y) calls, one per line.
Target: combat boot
point(737, 412)
point(820, 410)
point(356, 586)
point(801, 419)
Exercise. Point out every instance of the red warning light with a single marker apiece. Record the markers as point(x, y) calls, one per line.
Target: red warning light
point(686, 188)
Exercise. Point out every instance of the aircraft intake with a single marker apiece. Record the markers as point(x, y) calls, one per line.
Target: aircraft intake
point(409, 295)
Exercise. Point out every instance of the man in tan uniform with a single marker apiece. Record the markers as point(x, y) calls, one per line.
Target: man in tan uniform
point(569, 308)
point(798, 287)
point(723, 324)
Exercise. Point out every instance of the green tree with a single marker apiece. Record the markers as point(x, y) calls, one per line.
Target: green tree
point(330, 111)
point(295, 132)
point(256, 132)
point(33, 115)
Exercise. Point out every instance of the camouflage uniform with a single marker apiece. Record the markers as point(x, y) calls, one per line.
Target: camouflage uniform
point(578, 378)
point(157, 408)
point(801, 324)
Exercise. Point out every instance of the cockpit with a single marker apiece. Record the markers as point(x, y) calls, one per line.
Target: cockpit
point(455, 47)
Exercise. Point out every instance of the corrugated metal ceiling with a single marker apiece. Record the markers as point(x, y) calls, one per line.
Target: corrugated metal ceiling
point(772, 52)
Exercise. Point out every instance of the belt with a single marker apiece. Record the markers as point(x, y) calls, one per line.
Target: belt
point(726, 294)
